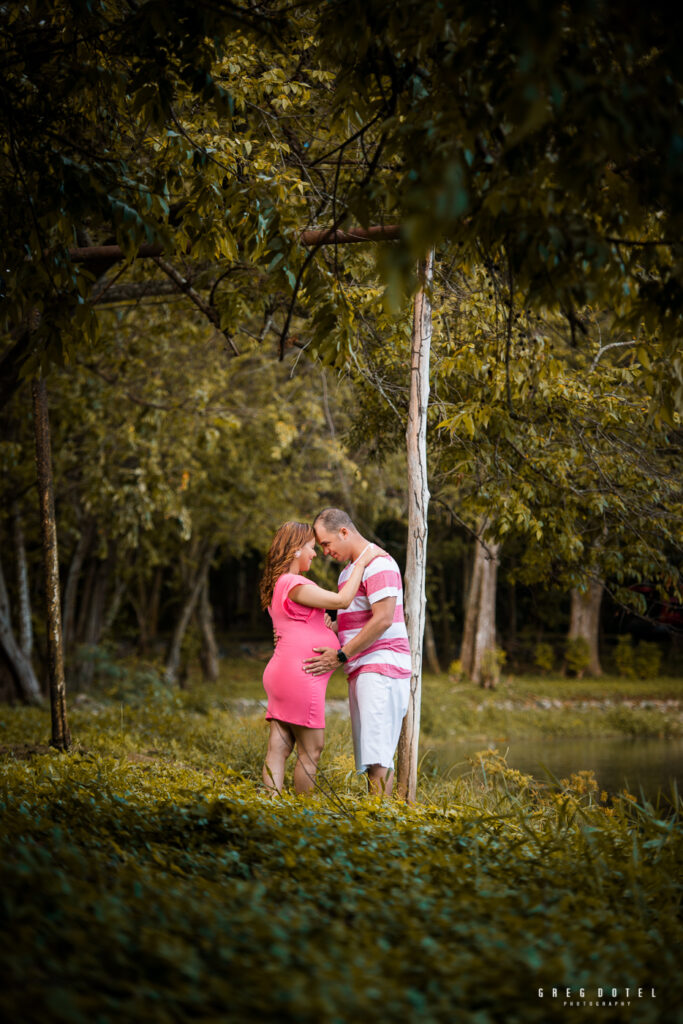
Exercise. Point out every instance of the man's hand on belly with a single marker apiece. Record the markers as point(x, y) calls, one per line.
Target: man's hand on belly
point(326, 661)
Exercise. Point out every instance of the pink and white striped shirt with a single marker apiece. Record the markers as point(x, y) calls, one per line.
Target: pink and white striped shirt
point(390, 653)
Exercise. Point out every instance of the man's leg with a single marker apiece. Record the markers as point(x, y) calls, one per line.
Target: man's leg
point(354, 715)
point(380, 780)
point(381, 705)
point(280, 745)
point(309, 746)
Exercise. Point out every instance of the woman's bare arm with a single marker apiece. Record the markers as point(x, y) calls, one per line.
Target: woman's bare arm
point(312, 596)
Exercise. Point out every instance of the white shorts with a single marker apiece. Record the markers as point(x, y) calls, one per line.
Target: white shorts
point(377, 705)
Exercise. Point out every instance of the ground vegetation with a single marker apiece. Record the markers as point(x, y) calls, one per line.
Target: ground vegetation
point(157, 880)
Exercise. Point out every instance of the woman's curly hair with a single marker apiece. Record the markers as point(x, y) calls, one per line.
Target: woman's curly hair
point(287, 541)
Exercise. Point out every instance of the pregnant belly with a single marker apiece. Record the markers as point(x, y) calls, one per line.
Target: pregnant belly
point(285, 673)
point(302, 641)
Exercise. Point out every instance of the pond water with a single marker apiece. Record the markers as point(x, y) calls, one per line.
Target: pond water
point(619, 762)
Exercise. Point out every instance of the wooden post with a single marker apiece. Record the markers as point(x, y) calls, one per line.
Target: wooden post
point(418, 503)
point(61, 736)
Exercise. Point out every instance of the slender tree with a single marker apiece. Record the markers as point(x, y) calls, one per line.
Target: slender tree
point(187, 611)
point(21, 669)
point(418, 505)
point(209, 648)
point(61, 735)
point(23, 591)
point(478, 651)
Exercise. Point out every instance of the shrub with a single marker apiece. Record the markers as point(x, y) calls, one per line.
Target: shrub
point(577, 655)
point(623, 657)
point(647, 659)
point(455, 669)
point(491, 663)
point(544, 657)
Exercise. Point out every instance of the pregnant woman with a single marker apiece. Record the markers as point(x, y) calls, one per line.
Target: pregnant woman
point(296, 699)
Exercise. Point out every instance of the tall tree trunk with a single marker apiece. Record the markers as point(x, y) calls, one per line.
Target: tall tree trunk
point(467, 568)
point(484, 664)
point(479, 633)
point(243, 603)
point(114, 605)
point(19, 664)
point(94, 620)
point(512, 613)
point(71, 588)
point(61, 735)
point(86, 601)
point(444, 617)
point(154, 605)
point(23, 592)
point(208, 654)
point(140, 605)
point(418, 503)
point(584, 620)
point(186, 613)
point(472, 610)
point(430, 645)
point(146, 605)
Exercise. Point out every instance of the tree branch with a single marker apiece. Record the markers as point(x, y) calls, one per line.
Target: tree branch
point(612, 344)
point(209, 311)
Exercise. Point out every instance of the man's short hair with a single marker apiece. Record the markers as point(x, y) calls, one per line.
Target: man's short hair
point(333, 519)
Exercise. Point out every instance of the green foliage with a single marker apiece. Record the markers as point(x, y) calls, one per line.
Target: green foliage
point(524, 706)
point(135, 683)
point(162, 443)
point(560, 157)
point(220, 134)
point(491, 663)
point(577, 655)
point(552, 445)
point(170, 126)
point(642, 662)
point(224, 131)
point(647, 660)
point(623, 657)
point(159, 882)
point(555, 451)
point(544, 657)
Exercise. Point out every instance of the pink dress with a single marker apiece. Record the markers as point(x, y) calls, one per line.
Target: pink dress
point(294, 696)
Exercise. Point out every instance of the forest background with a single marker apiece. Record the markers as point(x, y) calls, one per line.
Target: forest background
point(181, 441)
point(210, 364)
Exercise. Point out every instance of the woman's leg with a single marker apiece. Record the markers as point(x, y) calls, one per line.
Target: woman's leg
point(309, 745)
point(280, 744)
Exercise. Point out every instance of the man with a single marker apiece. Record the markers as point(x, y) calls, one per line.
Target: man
point(374, 649)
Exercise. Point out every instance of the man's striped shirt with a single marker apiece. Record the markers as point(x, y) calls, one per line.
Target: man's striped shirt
point(389, 654)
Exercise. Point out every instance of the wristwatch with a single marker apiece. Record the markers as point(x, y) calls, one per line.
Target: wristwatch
point(341, 657)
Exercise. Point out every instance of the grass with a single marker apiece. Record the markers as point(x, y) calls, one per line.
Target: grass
point(522, 707)
point(146, 876)
point(456, 709)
